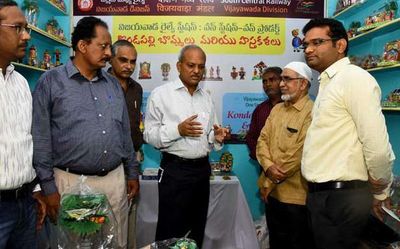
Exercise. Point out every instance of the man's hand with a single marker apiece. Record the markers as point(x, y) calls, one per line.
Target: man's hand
point(264, 192)
point(377, 207)
point(190, 127)
point(276, 174)
point(53, 205)
point(40, 209)
point(132, 189)
point(377, 186)
point(220, 133)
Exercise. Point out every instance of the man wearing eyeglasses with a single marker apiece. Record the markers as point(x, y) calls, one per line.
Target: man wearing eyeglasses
point(347, 144)
point(271, 77)
point(279, 150)
point(81, 127)
point(18, 214)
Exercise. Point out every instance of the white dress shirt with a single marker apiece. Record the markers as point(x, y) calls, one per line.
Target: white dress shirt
point(15, 130)
point(347, 138)
point(169, 105)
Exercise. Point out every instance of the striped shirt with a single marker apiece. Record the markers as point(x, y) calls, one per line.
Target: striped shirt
point(15, 130)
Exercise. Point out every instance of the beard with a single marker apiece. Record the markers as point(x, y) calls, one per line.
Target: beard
point(287, 97)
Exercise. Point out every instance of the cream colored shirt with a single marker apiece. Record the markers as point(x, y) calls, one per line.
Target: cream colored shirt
point(281, 142)
point(347, 139)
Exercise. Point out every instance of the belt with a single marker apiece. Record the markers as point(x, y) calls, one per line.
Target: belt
point(18, 193)
point(174, 158)
point(333, 185)
point(102, 172)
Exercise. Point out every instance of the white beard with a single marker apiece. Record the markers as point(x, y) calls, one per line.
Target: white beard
point(286, 97)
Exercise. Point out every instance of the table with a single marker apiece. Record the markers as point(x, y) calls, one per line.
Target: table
point(229, 222)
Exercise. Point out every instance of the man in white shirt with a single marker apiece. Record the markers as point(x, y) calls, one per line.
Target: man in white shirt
point(18, 213)
point(347, 144)
point(181, 122)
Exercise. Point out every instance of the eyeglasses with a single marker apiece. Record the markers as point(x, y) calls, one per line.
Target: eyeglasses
point(19, 28)
point(286, 79)
point(315, 43)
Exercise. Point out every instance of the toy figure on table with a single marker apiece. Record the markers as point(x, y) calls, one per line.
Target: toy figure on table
point(31, 9)
point(57, 54)
point(32, 60)
point(46, 64)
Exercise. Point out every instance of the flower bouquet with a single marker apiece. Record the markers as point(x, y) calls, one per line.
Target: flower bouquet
point(85, 220)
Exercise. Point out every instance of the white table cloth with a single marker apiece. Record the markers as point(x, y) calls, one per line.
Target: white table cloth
point(229, 222)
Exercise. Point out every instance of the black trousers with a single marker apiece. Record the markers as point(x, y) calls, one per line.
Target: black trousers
point(183, 192)
point(287, 225)
point(338, 217)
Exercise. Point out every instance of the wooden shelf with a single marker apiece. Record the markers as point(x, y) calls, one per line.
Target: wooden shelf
point(51, 7)
point(392, 109)
point(349, 11)
point(383, 29)
point(28, 67)
point(49, 36)
point(377, 69)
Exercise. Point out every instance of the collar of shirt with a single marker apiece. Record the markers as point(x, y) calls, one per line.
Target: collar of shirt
point(9, 70)
point(178, 84)
point(333, 69)
point(72, 70)
point(299, 105)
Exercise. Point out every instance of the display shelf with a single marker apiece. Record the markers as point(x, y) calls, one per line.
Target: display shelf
point(53, 8)
point(49, 36)
point(392, 109)
point(381, 30)
point(353, 9)
point(379, 69)
point(29, 67)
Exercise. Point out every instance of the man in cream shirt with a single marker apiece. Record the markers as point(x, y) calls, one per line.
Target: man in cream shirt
point(347, 148)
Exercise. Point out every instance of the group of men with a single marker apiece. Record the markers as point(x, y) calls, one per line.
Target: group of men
point(324, 165)
point(83, 120)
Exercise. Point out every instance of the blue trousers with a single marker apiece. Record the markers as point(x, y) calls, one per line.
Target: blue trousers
point(18, 223)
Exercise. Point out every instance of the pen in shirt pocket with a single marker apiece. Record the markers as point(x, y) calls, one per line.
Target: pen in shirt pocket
point(292, 130)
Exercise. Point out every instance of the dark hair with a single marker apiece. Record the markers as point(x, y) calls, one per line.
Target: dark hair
point(5, 3)
point(120, 43)
point(275, 70)
point(86, 29)
point(187, 47)
point(336, 29)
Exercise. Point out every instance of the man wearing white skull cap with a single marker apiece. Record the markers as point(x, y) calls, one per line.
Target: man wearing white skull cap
point(279, 150)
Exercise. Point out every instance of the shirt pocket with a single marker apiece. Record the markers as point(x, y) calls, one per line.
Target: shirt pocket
point(289, 137)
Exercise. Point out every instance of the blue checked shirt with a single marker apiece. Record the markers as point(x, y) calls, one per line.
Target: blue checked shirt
point(80, 124)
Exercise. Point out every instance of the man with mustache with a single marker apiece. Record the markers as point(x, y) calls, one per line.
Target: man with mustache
point(123, 63)
point(18, 214)
point(81, 127)
point(181, 122)
point(271, 78)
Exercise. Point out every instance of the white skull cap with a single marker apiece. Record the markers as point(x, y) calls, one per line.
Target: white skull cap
point(300, 68)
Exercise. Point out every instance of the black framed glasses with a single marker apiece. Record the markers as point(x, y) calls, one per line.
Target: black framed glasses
point(19, 28)
point(286, 79)
point(316, 42)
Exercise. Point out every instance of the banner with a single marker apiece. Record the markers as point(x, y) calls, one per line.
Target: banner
point(251, 8)
point(216, 35)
